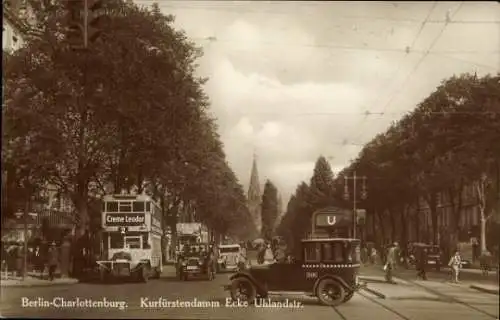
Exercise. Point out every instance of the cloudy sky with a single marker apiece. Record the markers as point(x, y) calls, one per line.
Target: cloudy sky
point(295, 80)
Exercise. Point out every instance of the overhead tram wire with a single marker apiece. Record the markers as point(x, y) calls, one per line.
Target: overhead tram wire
point(400, 64)
point(347, 48)
point(417, 65)
point(419, 62)
point(402, 112)
point(240, 10)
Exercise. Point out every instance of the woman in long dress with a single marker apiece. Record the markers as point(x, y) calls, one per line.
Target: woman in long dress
point(268, 255)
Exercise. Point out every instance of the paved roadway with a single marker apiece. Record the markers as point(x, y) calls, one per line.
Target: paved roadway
point(403, 302)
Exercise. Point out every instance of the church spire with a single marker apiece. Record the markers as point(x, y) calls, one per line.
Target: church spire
point(254, 186)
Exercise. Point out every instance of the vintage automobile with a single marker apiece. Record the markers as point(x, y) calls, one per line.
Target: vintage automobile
point(434, 259)
point(228, 257)
point(194, 262)
point(328, 270)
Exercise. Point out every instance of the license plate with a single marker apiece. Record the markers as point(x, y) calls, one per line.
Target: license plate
point(432, 262)
point(192, 267)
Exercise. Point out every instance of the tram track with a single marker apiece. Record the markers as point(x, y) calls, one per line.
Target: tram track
point(380, 304)
point(337, 311)
point(452, 299)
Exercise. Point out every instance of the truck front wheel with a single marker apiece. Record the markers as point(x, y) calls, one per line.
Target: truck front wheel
point(143, 273)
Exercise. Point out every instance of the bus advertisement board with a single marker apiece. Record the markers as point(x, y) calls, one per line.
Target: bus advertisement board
point(124, 219)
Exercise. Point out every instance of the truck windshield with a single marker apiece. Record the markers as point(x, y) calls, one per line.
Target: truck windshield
point(133, 242)
point(187, 239)
point(116, 241)
point(229, 250)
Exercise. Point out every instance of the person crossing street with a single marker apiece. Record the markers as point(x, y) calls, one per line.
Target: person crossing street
point(456, 264)
point(391, 261)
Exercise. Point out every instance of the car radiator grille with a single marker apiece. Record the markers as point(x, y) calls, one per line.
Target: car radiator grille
point(192, 262)
point(120, 267)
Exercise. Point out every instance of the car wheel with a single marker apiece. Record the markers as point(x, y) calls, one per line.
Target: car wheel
point(243, 289)
point(103, 274)
point(144, 273)
point(157, 273)
point(330, 292)
point(348, 296)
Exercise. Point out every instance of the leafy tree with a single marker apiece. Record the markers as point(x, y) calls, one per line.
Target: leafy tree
point(269, 209)
point(430, 155)
point(81, 109)
point(296, 222)
point(321, 191)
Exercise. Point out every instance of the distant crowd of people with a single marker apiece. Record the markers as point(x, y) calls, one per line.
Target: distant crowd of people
point(393, 256)
point(48, 258)
point(40, 259)
point(269, 252)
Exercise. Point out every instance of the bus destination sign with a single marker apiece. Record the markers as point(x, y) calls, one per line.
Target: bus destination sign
point(125, 219)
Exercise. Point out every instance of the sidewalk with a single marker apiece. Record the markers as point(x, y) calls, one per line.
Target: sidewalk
point(492, 289)
point(375, 274)
point(35, 282)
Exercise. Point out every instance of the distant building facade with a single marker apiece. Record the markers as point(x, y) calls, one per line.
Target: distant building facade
point(17, 20)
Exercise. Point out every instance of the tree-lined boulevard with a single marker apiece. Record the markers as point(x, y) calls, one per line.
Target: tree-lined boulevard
point(114, 105)
point(429, 158)
point(207, 300)
point(128, 111)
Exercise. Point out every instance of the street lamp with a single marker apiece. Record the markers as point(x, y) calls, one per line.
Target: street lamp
point(364, 195)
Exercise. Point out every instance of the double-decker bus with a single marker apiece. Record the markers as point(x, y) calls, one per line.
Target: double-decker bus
point(131, 237)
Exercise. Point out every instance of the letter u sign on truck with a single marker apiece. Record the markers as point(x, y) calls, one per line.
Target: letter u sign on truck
point(331, 220)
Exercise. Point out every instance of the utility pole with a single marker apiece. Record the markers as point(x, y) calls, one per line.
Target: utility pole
point(364, 194)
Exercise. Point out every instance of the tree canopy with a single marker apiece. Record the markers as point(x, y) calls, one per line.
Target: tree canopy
point(319, 193)
point(448, 143)
point(269, 211)
point(130, 111)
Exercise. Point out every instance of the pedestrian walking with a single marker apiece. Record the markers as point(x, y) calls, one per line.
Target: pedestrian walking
point(456, 264)
point(53, 260)
point(268, 255)
point(213, 257)
point(280, 254)
point(373, 256)
point(391, 261)
point(260, 254)
point(364, 255)
point(242, 259)
point(422, 263)
point(485, 261)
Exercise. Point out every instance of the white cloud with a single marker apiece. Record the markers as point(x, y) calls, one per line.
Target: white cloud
point(271, 64)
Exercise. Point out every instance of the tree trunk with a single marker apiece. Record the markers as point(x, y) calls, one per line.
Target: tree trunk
point(171, 220)
point(404, 226)
point(140, 181)
point(455, 195)
point(483, 232)
point(431, 200)
point(417, 220)
point(81, 204)
point(374, 224)
point(392, 219)
point(480, 187)
point(381, 222)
